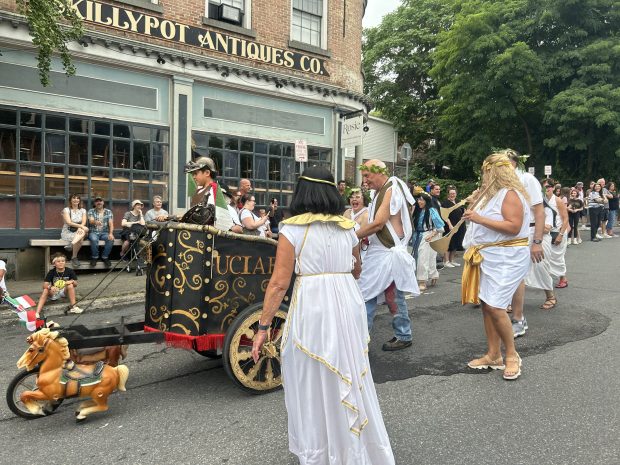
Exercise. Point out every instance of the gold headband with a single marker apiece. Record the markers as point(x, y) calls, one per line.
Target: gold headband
point(487, 166)
point(322, 181)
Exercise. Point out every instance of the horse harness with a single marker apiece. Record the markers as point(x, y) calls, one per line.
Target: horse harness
point(75, 376)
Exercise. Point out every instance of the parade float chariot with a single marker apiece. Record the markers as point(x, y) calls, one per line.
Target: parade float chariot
point(204, 292)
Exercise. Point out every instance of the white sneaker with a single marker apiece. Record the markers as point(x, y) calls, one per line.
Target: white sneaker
point(584, 227)
point(599, 236)
point(456, 264)
point(75, 309)
point(606, 236)
point(449, 265)
point(579, 241)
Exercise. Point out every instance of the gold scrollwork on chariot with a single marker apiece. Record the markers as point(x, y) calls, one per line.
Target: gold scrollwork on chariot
point(158, 315)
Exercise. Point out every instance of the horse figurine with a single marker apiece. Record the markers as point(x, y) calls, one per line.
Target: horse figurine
point(59, 377)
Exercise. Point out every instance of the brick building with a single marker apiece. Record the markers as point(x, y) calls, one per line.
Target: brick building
point(161, 81)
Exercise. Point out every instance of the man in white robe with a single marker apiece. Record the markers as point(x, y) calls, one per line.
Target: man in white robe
point(387, 260)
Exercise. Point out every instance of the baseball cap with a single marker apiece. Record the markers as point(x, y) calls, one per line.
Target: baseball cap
point(98, 198)
point(133, 204)
point(579, 183)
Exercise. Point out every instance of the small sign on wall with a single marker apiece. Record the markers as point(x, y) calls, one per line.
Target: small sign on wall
point(547, 170)
point(301, 151)
point(352, 129)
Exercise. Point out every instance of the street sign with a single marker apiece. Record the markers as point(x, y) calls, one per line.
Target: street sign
point(301, 151)
point(547, 170)
point(531, 170)
point(405, 151)
point(352, 129)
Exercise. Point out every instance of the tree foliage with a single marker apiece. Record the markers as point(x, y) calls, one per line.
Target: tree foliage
point(53, 24)
point(541, 76)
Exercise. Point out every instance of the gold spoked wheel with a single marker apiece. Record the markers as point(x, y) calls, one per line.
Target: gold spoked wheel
point(264, 375)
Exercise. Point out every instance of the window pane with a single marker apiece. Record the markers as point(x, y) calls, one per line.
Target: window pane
point(30, 146)
point(288, 150)
point(30, 180)
point(55, 181)
point(78, 125)
point(200, 139)
point(246, 161)
point(141, 191)
point(247, 146)
point(216, 142)
point(55, 122)
point(141, 155)
point(274, 169)
point(160, 158)
point(78, 150)
point(218, 159)
point(275, 149)
point(120, 157)
point(121, 130)
point(160, 135)
point(101, 151)
point(288, 170)
point(120, 185)
point(30, 119)
point(8, 148)
point(142, 133)
point(8, 181)
point(231, 160)
point(78, 183)
point(102, 129)
point(260, 167)
point(231, 144)
point(55, 148)
point(8, 117)
point(100, 185)
point(260, 147)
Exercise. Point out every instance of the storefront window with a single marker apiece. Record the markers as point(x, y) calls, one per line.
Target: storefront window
point(270, 165)
point(63, 154)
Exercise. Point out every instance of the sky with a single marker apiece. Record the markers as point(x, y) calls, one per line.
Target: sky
point(376, 9)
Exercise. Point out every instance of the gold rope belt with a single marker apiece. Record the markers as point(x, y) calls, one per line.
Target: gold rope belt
point(470, 283)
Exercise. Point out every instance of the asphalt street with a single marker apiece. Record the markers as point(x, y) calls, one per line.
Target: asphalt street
point(181, 408)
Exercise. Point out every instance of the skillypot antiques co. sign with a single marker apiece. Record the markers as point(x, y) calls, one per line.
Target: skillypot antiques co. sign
point(152, 26)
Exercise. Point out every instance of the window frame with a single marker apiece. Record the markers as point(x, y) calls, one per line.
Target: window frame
point(323, 33)
point(247, 14)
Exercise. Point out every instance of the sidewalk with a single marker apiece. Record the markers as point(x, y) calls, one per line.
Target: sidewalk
point(126, 289)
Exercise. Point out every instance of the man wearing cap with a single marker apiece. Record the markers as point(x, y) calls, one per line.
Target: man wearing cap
point(101, 224)
point(205, 176)
point(134, 216)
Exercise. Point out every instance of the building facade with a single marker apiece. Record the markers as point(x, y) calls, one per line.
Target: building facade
point(160, 82)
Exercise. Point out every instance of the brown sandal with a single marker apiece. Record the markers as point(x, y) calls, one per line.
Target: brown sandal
point(485, 363)
point(549, 303)
point(513, 368)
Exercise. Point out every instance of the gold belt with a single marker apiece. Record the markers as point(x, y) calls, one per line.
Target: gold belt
point(470, 283)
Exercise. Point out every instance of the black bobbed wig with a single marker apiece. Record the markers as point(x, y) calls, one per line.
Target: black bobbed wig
point(316, 197)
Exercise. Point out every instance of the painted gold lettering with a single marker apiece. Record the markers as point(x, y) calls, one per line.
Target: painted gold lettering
point(89, 11)
point(259, 266)
point(315, 65)
point(206, 39)
point(302, 63)
point(246, 264)
point(243, 45)
point(150, 22)
point(116, 19)
point(133, 21)
point(182, 29)
point(98, 18)
point(276, 57)
point(168, 30)
point(265, 53)
point(253, 51)
point(218, 261)
point(230, 266)
point(234, 42)
point(289, 59)
point(222, 42)
point(75, 5)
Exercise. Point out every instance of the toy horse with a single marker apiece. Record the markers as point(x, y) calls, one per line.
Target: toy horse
point(59, 377)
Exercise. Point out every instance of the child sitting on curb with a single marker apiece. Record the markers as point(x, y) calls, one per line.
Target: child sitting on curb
point(59, 282)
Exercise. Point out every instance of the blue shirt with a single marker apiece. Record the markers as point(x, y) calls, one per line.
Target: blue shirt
point(435, 220)
point(105, 216)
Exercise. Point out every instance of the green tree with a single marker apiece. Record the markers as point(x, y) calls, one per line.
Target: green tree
point(397, 58)
point(53, 24)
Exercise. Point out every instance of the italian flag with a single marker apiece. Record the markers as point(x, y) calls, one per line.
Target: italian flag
point(20, 305)
point(28, 318)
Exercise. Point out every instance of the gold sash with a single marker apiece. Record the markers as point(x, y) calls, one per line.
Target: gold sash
point(470, 284)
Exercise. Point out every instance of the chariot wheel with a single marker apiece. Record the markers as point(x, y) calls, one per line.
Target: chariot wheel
point(266, 374)
point(26, 381)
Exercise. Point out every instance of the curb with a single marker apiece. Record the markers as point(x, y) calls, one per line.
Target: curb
point(8, 317)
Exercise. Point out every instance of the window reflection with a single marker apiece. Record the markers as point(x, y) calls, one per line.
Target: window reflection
point(8, 147)
point(30, 146)
point(55, 151)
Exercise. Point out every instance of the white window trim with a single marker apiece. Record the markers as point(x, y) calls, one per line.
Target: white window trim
point(323, 45)
point(247, 13)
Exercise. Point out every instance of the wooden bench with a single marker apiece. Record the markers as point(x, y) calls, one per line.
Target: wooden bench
point(47, 244)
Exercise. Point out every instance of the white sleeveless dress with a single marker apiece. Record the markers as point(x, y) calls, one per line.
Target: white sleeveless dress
point(333, 413)
point(502, 268)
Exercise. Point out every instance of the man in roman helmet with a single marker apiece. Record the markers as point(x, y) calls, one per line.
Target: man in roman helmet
point(387, 260)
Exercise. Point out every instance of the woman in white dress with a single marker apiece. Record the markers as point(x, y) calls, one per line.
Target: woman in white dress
point(74, 228)
point(333, 413)
point(427, 226)
point(497, 259)
point(556, 219)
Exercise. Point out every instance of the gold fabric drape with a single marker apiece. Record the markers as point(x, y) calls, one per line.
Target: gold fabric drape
point(470, 284)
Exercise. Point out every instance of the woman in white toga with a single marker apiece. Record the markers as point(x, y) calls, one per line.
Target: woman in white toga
point(333, 412)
